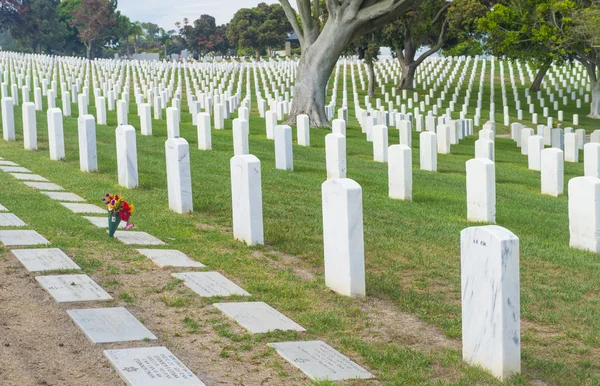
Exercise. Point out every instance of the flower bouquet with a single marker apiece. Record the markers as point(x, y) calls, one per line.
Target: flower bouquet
point(118, 209)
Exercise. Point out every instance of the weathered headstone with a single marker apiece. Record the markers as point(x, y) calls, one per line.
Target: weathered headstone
point(481, 190)
point(179, 179)
point(246, 198)
point(491, 333)
point(343, 236)
point(284, 159)
point(552, 173)
point(88, 158)
point(584, 213)
point(400, 172)
point(72, 288)
point(127, 164)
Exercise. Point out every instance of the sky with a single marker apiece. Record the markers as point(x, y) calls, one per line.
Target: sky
point(166, 13)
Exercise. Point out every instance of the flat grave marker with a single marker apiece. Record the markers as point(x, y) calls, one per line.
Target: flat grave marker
point(43, 185)
point(28, 177)
point(151, 366)
point(8, 163)
point(72, 288)
point(46, 259)
point(137, 238)
point(320, 361)
point(169, 258)
point(3, 209)
point(64, 196)
point(10, 220)
point(102, 222)
point(18, 238)
point(14, 169)
point(208, 284)
point(108, 325)
point(83, 208)
point(258, 317)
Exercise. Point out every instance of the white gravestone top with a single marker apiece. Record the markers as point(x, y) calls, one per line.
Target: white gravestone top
point(258, 317)
point(16, 238)
point(208, 284)
point(107, 325)
point(151, 366)
point(320, 361)
point(44, 259)
point(72, 288)
point(169, 258)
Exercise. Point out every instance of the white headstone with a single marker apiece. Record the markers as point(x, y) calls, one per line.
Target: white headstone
point(56, 138)
point(240, 137)
point(481, 190)
point(335, 155)
point(284, 159)
point(303, 128)
point(535, 145)
point(428, 151)
point(584, 213)
point(88, 159)
point(552, 173)
point(204, 133)
point(29, 126)
point(400, 172)
point(491, 333)
point(179, 179)
point(343, 236)
point(246, 197)
point(127, 156)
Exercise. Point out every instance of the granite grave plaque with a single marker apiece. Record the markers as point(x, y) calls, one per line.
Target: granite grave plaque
point(84, 208)
point(28, 177)
point(17, 238)
point(14, 169)
point(258, 317)
point(137, 238)
point(10, 220)
point(44, 259)
point(208, 284)
point(151, 366)
point(320, 361)
point(169, 258)
point(107, 325)
point(43, 185)
point(63, 196)
point(72, 288)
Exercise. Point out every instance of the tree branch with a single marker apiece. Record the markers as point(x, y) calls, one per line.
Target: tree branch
point(291, 15)
point(374, 16)
point(435, 48)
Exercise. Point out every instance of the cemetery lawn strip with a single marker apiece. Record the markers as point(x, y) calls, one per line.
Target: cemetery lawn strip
point(412, 255)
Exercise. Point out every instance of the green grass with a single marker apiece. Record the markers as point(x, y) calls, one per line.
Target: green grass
point(412, 248)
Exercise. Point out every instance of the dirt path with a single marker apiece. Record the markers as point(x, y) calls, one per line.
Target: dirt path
point(39, 345)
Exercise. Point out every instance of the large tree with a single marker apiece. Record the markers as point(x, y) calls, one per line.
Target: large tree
point(203, 36)
point(259, 28)
point(514, 30)
point(94, 19)
point(577, 32)
point(433, 24)
point(322, 42)
point(39, 26)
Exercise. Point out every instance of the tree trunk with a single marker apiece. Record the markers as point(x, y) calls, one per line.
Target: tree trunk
point(257, 51)
point(595, 107)
point(539, 77)
point(407, 79)
point(89, 50)
point(371, 79)
point(314, 69)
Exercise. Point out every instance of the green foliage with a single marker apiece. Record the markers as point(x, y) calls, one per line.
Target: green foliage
point(39, 26)
point(204, 36)
point(259, 28)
